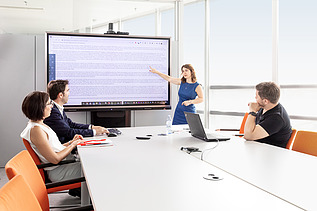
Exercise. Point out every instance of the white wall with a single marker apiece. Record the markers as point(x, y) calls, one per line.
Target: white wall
point(17, 67)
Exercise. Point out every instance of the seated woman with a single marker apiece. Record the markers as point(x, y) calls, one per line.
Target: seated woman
point(37, 106)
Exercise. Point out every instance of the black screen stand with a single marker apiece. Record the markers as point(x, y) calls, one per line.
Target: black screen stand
point(109, 119)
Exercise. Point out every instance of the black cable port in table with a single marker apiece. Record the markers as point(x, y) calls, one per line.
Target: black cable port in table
point(143, 137)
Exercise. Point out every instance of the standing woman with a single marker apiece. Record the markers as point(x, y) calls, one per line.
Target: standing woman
point(190, 92)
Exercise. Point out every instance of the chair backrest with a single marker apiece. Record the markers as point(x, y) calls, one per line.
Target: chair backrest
point(23, 164)
point(305, 142)
point(17, 195)
point(291, 139)
point(34, 156)
point(243, 123)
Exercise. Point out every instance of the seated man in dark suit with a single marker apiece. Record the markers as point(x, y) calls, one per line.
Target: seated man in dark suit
point(63, 126)
point(268, 121)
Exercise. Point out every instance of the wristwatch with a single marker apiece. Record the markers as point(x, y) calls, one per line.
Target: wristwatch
point(252, 113)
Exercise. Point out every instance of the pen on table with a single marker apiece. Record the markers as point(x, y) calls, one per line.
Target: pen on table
point(91, 144)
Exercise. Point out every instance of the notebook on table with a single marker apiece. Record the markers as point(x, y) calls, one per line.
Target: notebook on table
point(197, 129)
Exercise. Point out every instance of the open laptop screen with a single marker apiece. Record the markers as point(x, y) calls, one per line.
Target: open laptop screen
point(197, 129)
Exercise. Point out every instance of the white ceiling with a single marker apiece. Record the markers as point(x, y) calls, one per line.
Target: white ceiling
point(38, 16)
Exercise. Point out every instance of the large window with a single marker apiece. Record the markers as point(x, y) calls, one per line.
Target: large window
point(144, 25)
point(240, 56)
point(297, 42)
point(194, 41)
point(241, 42)
point(167, 23)
point(297, 61)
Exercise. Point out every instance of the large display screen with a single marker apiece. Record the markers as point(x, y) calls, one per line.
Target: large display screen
point(110, 71)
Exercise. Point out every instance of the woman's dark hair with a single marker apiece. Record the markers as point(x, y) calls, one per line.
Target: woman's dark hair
point(192, 70)
point(55, 87)
point(34, 104)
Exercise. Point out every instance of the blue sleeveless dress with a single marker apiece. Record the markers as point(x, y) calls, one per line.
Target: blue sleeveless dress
point(186, 92)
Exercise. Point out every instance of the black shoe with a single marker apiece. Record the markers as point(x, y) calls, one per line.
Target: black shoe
point(75, 192)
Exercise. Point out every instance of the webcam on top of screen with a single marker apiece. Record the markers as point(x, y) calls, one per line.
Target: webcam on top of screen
point(110, 30)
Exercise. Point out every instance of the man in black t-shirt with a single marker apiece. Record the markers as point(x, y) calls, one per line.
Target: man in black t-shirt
point(268, 121)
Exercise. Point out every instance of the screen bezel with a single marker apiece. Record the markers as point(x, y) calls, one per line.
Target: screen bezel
point(167, 105)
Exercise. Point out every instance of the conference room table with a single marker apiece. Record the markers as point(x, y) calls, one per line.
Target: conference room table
point(286, 174)
point(155, 174)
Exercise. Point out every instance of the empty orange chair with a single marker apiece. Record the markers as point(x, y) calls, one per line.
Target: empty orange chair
point(305, 142)
point(22, 164)
point(291, 139)
point(41, 170)
point(17, 195)
point(241, 130)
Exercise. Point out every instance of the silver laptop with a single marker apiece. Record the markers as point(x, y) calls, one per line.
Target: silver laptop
point(197, 129)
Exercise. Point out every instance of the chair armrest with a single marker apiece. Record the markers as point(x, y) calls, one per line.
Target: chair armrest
point(227, 130)
point(87, 207)
point(44, 165)
point(65, 182)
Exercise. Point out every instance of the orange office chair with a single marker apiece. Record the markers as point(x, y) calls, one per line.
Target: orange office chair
point(22, 164)
point(41, 170)
point(17, 195)
point(241, 130)
point(305, 142)
point(291, 139)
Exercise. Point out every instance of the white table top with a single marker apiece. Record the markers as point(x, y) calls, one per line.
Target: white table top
point(289, 175)
point(156, 175)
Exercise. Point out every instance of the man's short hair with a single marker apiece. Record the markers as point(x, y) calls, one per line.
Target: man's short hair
point(55, 87)
point(34, 104)
point(269, 91)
